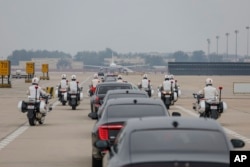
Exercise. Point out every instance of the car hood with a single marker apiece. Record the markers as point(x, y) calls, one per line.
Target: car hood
point(181, 157)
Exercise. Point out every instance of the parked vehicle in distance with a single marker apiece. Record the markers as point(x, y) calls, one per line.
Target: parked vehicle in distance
point(169, 141)
point(122, 93)
point(102, 89)
point(115, 113)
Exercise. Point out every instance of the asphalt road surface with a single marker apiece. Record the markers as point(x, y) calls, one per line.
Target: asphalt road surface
point(65, 138)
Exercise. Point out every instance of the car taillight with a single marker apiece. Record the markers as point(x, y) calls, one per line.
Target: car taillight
point(103, 130)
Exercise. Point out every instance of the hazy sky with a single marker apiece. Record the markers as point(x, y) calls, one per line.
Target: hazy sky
point(122, 25)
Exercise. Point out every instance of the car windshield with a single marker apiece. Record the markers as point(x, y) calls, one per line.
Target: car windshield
point(135, 110)
point(105, 89)
point(163, 141)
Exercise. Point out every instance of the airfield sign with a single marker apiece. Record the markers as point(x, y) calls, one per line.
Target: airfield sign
point(4, 67)
point(45, 68)
point(30, 67)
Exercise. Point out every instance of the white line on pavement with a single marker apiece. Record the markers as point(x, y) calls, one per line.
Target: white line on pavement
point(12, 136)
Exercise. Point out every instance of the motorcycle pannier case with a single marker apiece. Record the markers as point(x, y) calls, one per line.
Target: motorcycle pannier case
point(22, 106)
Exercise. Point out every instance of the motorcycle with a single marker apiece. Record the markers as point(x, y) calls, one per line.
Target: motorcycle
point(60, 94)
point(36, 109)
point(210, 108)
point(74, 97)
point(168, 97)
point(149, 89)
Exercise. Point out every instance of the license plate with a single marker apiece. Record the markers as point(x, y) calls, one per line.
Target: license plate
point(167, 95)
point(30, 107)
point(213, 107)
point(73, 96)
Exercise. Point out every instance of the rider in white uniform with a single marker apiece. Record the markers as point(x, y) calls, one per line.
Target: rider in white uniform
point(34, 90)
point(209, 92)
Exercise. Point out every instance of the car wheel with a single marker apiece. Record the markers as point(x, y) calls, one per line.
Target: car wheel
point(96, 162)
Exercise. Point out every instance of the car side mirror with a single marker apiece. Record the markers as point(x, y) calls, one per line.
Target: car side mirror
point(93, 115)
point(176, 114)
point(237, 143)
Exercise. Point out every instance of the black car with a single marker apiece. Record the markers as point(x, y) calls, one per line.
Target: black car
point(115, 113)
point(122, 93)
point(102, 89)
point(170, 141)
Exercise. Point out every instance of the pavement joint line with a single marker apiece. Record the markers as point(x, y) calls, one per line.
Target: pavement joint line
point(228, 131)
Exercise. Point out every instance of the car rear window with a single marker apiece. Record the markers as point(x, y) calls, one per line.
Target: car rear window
point(105, 89)
point(135, 110)
point(163, 141)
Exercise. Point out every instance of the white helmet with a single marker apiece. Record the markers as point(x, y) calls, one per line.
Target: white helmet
point(209, 81)
point(171, 76)
point(95, 75)
point(73, 77)
point(166, 77)
point(119, 77)
point(145, 76)
point(64, 76)
point(35, 80)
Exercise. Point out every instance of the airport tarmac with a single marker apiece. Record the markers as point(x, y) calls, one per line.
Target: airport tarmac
point(65, 138)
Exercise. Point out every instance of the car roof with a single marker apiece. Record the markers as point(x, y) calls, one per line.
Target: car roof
point(134, 100)
point(172, 123)
point(113, 83)
point(126, 91)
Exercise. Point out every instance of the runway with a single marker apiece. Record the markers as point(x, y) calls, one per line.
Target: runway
point(65, 140)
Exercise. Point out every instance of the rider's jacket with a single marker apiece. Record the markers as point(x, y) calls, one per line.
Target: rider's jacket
point(73, 86)
point(144, 83)
point(35, 93)
point(209, 92)
point(63, 84)
point(166, 85)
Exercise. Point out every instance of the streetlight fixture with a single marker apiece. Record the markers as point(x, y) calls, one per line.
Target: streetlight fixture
point(208, 48)
point(236, 32)
point(217, 40)
point(247, 27)
point(227, 34)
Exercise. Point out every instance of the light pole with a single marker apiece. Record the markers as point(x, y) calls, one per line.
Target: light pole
point(227, 34)
point(208, 48)
point(247, 39)
point(217, 48)
point(236, 32)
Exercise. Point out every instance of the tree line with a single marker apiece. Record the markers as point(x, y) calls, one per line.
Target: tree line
point(98, 57)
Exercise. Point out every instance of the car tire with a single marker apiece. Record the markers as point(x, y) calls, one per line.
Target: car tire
point(96, 162)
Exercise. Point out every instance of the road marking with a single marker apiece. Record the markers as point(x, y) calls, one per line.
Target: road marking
point(12, 136)
point(228, 131)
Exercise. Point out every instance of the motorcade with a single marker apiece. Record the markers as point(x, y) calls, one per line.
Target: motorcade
point(118, 111)
point(169, 141)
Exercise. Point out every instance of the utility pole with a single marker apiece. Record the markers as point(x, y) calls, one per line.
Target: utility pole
point(227, 34)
